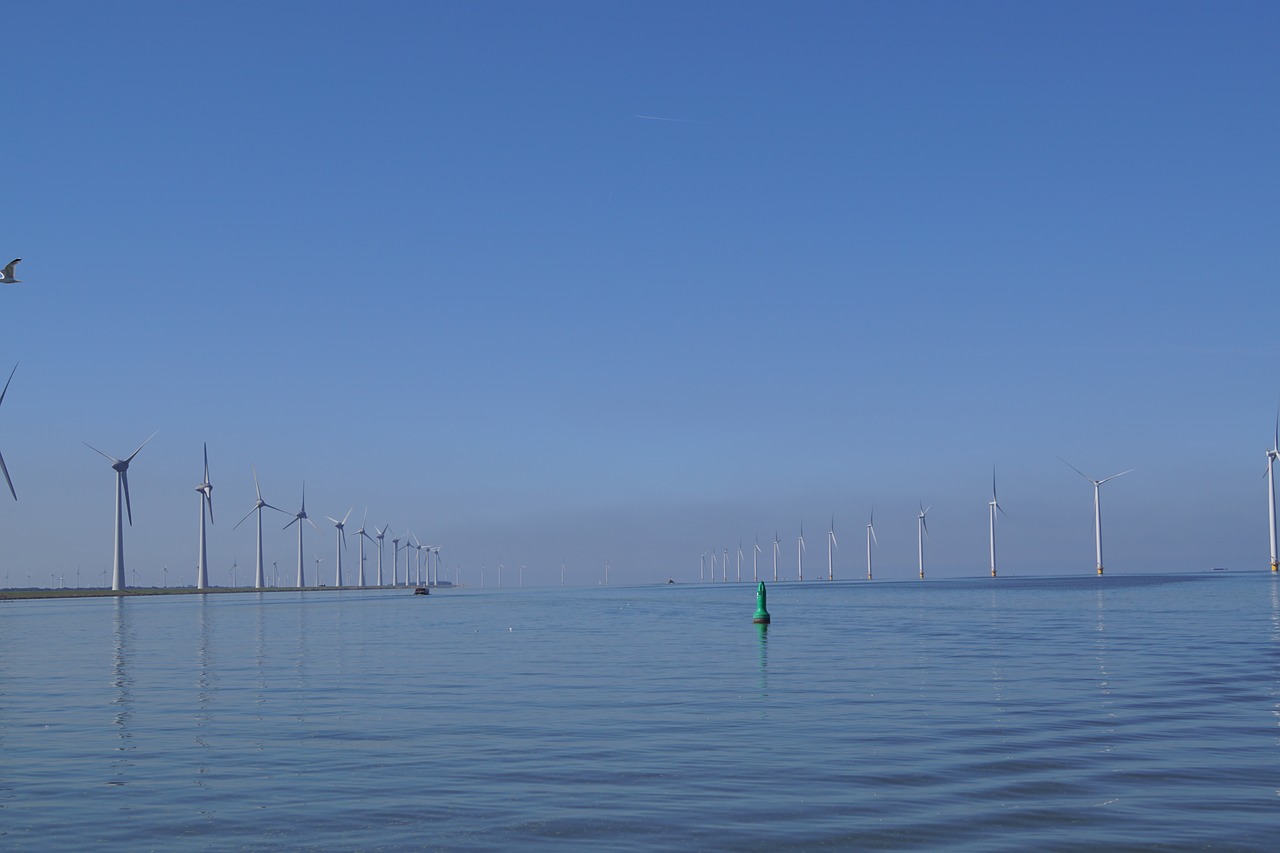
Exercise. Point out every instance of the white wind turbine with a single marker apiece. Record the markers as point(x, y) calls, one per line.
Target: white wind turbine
point(380, 533)
point(871, 537)
point(1272, 455)
point(395, 560)
point(1097, 506)
point(776, 543)
point(259, 581)
point(713, 565)
point(299, 517)
point(362, 535)
point(340, 544)
point(922, 530)
point(724, 567)
point(702, 568)
point(754, 556)
point(739, 580)
point(800, 554)
point(6, 470)
point(994, 507)
point(206, 499)
point(831, 544)
point(121, 467)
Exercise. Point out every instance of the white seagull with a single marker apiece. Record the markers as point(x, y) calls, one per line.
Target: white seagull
point(8, 273)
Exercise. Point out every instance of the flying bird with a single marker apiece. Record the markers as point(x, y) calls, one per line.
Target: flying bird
point(8, 272)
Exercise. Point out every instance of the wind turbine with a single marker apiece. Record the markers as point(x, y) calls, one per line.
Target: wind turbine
point(776, 542)
point(702, 568)
point(206, 499)
point(800, 554)
point(298, 518)
point(754, 556)
point(724, 567)
point(381, 533)
point(121, 467)
point(922, 530)
point(395, 560)
point(871, 537)
point(259, 581)
point(713, 565)
point(831, 543)
point(994, 507)
point(1097, 507)
point(361, 535)
point(340, 543)
point(6, 470)
point(1272, 455)
point(739, 580)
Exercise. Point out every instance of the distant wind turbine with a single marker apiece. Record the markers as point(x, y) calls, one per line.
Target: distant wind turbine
point(800, 554)
point(776, 543)
point(1272, 455)
point(724, 567)
point(259, 580)
point(1097, 506)
point(395, 561)
point(702, 568)
point(739, 579)
point(922, 530)
point(206, 500)
point(380, 533)
point(831, 544)
point(713, 565)
point(362, 535)
point(298, 518)
point(3, 467)
point(994, 507)
point(755, 578)
point(871, 537)
point(340, 544)
point(121, 467)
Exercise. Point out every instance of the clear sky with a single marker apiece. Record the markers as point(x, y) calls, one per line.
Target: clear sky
point(628, 281)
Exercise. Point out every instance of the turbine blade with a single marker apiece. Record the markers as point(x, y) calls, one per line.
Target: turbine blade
point(206, 461)
point(129, 458)
point(124, 480)
point(256, 488)
point(1074, 468)
point(110, 459)
point(246, 515)
point(5, 469)
point(6, 384)
point(1113, 476)
point(208, 498)
point(873, 537)
point(290, 524)
point(313, 524)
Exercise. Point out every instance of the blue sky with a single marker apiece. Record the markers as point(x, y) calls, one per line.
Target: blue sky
point(429, 258)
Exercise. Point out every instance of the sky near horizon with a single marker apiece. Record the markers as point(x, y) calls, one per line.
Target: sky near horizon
point(626, 282)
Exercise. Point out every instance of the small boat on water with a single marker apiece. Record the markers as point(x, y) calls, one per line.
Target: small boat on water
point(422, 590)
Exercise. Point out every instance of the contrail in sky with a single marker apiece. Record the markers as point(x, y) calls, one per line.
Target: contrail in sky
point(664, 118)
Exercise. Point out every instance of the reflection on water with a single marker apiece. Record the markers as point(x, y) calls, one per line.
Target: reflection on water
point(122, 701)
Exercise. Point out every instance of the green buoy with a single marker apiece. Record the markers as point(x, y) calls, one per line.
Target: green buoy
point(762, 615)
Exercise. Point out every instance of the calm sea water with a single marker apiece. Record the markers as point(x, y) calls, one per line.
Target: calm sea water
point(1117, 713)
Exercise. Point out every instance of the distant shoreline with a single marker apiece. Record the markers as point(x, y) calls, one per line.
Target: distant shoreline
point(29, 594)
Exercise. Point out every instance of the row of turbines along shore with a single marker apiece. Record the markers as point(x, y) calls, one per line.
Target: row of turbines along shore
point(922, 532)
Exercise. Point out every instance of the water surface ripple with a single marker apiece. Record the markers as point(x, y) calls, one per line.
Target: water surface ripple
point(1125, 713)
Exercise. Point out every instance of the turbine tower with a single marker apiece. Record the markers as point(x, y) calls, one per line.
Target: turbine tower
point(206, 499)
point(6, 470)
point(381, 533)
point(755, 578)
point(395, 560)
point(121, 467)
point(776, 543)
point(922, 530)
point(800, 554)
point(1272, 455)
point(724, 567)
point(702, 569)
point(994, 507)
point(298, 518)
point(871, 537)
point(739, 579)
point(1097, 506)
point(259, 581)
point(340, 543)
point(831, 543)
point(362, 535)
